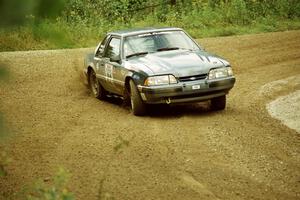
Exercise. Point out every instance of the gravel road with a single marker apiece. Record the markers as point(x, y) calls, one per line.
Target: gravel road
point(177, 152)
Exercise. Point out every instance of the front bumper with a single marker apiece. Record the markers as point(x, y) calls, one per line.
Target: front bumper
point(184, 92)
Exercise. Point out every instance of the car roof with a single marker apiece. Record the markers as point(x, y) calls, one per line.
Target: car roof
point(124, 33)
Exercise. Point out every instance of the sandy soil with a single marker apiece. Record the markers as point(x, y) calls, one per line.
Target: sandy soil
point(178, 152)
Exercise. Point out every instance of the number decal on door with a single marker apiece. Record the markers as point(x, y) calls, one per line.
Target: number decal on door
point(109, 72)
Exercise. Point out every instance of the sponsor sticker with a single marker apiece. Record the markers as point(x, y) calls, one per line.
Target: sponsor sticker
point(109, 71)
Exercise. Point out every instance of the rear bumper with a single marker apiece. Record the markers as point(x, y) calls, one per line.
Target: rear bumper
point(184, 92)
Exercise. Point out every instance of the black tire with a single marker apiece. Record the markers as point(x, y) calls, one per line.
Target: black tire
point(218, 103)
point(137, 105)
point(126, 95)
point(97, 90)
point(126, 98)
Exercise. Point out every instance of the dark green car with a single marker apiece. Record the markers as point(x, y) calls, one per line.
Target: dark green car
point(157, 66)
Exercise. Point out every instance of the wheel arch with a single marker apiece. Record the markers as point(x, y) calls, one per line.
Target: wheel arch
point(127, 80)
point(89, 70)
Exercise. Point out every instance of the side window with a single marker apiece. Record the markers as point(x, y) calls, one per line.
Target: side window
point(100, 50)
point(113, 48)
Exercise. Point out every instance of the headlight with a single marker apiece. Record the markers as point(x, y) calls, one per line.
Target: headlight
point(220, 72)
point(160, 80)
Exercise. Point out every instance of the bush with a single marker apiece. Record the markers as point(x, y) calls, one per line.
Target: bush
point(83, 23)
point(237, 13)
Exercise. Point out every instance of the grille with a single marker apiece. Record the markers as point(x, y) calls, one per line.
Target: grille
point(192, 78)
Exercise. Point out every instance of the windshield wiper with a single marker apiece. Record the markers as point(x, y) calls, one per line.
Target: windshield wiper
point(168, 48)
point(137, 54)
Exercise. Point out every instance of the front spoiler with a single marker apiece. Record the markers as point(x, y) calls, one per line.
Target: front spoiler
point(184, 92)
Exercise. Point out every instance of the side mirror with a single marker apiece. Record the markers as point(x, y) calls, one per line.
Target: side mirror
point(116, 58)
point(101, 50)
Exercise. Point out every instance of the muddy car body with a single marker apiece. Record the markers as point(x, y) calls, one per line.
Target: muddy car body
point(157, 66)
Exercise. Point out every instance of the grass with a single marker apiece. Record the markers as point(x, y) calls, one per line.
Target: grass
point(249, 29)
point(58, 34)
point(83, 23)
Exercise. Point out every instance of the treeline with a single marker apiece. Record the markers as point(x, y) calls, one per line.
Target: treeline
point(80, 23)
point(231, 11)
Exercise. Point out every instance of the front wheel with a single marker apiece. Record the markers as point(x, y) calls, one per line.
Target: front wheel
point(97, 90)
point(137, 105)
point(218, 103)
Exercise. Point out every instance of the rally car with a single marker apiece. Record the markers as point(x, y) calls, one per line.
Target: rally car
point(157, 66)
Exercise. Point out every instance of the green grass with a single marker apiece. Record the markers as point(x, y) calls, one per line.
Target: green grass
point(58, 34)
point(260, 27)
point(83, 23)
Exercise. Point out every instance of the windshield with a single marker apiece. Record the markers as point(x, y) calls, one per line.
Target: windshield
point(157, 41)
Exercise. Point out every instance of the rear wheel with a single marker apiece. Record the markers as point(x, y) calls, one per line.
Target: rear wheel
point(218, 103)
point(97, 90)
point(137, 105)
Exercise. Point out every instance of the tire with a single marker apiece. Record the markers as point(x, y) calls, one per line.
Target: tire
point(137, 105)
point(97, 90)
point(218, 103)
point(126, 98)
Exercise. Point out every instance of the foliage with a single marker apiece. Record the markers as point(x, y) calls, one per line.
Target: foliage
point(237, 12)
point(81, 23)
point(56, 191)
point(14, 12)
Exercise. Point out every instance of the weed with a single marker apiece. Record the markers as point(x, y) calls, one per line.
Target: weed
point(82, 23)
point(55, 191)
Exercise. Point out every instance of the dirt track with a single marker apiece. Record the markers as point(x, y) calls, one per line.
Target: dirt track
point(182, 152)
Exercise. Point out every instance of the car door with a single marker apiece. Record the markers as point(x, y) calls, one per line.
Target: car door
point(99, 62)
point(111, 64)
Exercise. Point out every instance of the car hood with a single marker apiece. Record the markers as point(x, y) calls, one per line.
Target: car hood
point(179, 62)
